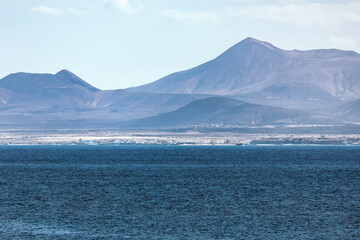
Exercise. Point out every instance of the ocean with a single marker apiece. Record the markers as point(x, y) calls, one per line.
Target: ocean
point(180, 192)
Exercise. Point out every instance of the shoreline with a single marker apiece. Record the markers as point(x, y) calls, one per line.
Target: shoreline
point(181, 145)
point(188, 138)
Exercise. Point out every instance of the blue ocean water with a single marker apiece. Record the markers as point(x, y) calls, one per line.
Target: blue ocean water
point(179, 192)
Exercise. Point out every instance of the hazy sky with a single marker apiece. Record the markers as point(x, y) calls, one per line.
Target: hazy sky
point(120, 43)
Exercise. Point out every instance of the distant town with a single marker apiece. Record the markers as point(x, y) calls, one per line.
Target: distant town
point(151, 137)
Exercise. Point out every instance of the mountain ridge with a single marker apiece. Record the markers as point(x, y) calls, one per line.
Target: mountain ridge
point(62, 79)
point(253, 82)
point(253, 65)
point(219, 110)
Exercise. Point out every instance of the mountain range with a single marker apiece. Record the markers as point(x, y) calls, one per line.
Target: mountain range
point(220, 110)
point(251, 83)
point(256, 71)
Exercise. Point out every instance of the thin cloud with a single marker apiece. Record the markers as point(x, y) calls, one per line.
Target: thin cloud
point(339, 20)
point(77, 12)
point(329, 16)
point(125, 6)
point(46, 10)
point(191, 17)
point(351, 42)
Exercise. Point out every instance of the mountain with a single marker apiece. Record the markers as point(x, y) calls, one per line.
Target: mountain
point(253, 82)
point(293, 91)
point(219, 110)
point(349, 110)
point(143, 102)
point(63, 100)
point(300, 96)
point(253, 67)
point(61, 89)
point(23, 82)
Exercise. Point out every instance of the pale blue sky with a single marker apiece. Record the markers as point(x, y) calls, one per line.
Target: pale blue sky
point(119, 43)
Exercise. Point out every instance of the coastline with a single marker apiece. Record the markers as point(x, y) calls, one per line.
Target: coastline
point(188, 138)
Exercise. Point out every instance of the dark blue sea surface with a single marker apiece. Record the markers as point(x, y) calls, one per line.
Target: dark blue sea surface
point(179, 192)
